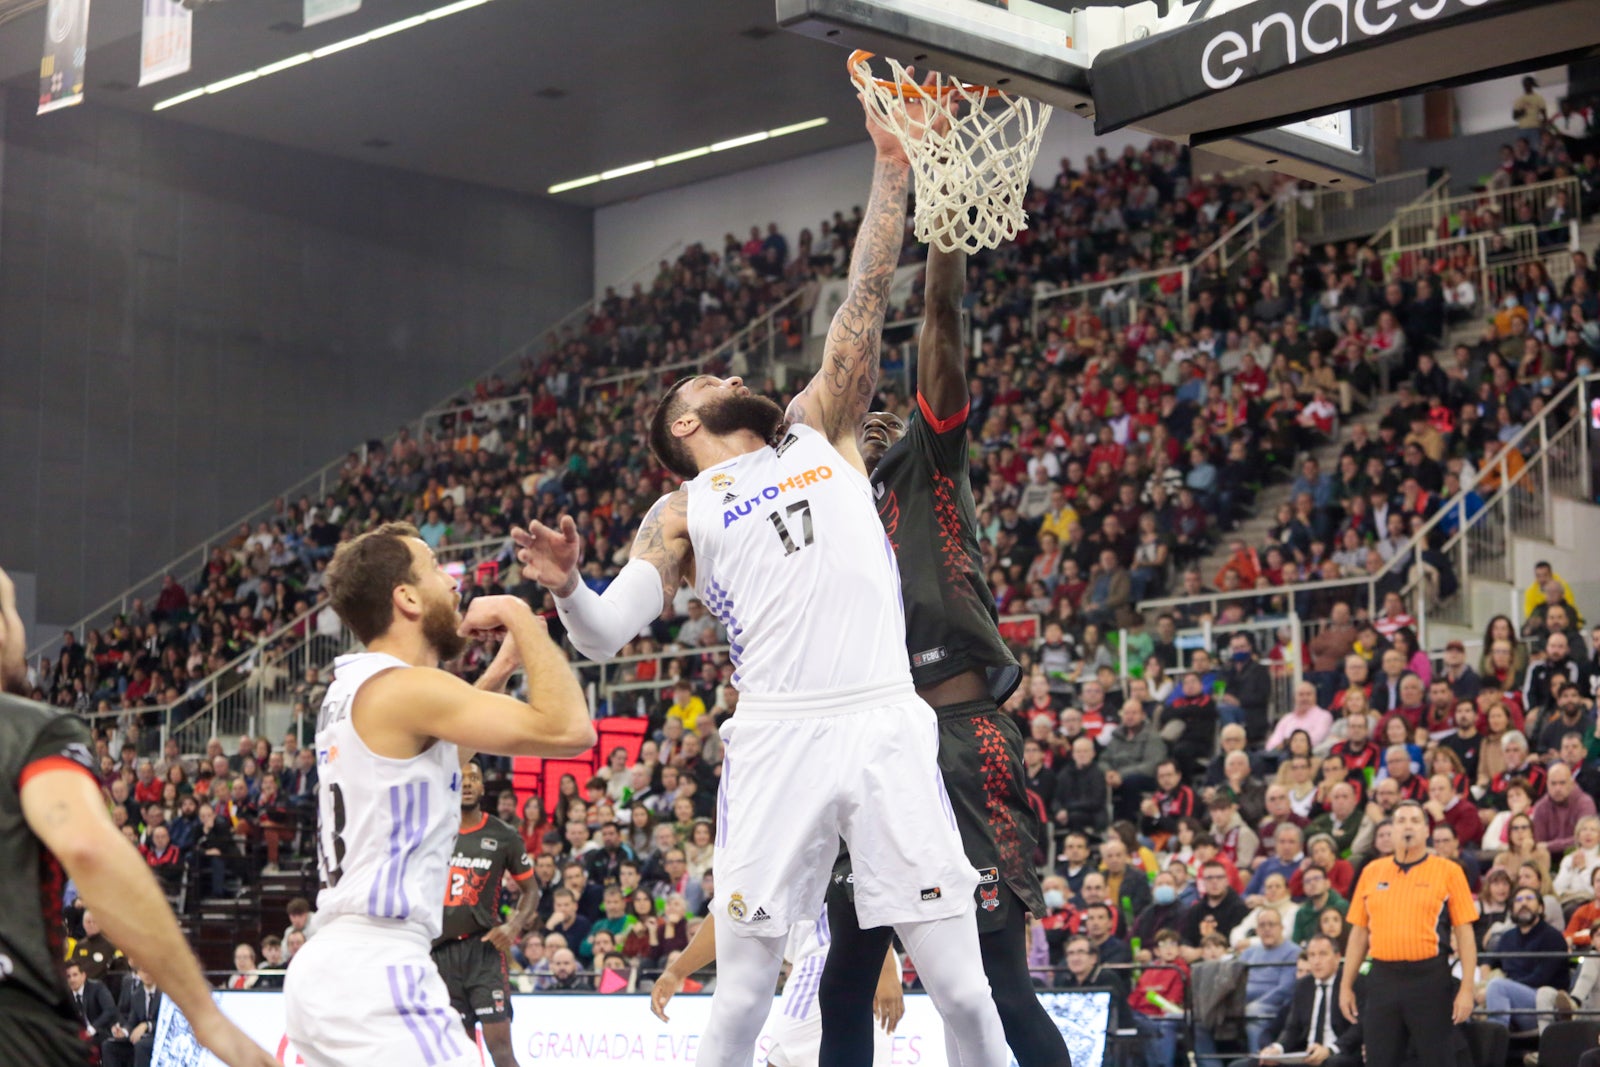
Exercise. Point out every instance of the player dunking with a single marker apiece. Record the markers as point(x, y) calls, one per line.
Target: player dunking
point(471, 950)
point(777, 531)
point(392, 735)
point(964, 670)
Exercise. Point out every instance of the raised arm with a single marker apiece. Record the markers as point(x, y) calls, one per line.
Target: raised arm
point(424, 703)
point(599, 625)
point(941, 357)
point(834, 401)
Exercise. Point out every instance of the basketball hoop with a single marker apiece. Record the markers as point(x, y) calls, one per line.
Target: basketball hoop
point(971, 178)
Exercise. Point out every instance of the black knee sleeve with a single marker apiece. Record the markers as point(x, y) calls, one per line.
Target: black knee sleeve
point(1033, 1036)
point(849, 979)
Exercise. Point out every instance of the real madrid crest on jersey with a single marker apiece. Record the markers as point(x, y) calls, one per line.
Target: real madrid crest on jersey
point(736, 906)
point(722, 482)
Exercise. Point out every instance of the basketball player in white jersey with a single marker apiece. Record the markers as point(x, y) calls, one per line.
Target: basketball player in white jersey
point(777, 532)
point(796, 1024)
point(391, 738)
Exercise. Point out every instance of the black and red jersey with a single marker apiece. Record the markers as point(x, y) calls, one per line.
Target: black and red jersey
point(925, 504)
point(483, 855)
point(35, 1006)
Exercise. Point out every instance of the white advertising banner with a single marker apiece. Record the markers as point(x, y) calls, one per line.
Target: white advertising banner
point(579, 1030)
point(165, 40)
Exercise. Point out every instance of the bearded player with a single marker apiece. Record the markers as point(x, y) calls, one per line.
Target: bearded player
point(471, 950)
point(777, 532)
point(392, 736)
point(964, 670)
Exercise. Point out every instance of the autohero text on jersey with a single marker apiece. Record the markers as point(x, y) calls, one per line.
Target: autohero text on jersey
point(738, 510)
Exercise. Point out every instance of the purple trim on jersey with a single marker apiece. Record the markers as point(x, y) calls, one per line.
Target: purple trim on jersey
point(408, 824)
point(415, 833)
point(807, 982)
point(721, 605)
point(938, 781)
point(380, 880)
point(722, 799)
point(442, 1026)
point(408, 1013)
point(824, 934)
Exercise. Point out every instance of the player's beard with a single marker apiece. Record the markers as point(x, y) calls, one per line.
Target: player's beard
point(731, 414)
point(440, 622)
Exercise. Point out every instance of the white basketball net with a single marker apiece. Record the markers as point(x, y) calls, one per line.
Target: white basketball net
point(970, 179)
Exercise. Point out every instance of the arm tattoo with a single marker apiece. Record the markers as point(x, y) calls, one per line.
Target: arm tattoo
point(666, 552)
point(842, 390)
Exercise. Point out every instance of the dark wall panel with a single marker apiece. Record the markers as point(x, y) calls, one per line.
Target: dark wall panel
point(190, 322)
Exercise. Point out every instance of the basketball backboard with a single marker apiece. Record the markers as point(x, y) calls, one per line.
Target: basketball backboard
point(1048, 53)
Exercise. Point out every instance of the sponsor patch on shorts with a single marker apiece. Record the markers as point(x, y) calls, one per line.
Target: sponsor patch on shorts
point(932, 894)
point(988, 875)
point(932, 655)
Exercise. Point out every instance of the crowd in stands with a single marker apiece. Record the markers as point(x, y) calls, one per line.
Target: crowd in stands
point(1195, 816)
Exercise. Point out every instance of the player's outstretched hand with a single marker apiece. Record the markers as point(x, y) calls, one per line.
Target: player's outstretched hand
point(667, 986)
point(490, 615)
point(229, 1043)
point(550, 557)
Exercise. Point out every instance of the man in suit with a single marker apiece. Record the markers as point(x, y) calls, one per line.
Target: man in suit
point(133, 1036)
point(1316, 1025)
point(93, 1002)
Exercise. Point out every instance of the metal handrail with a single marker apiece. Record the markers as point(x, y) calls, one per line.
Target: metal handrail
point(149, 586)
point(731, 346)
point(1217, 248)
point(1457, 506)
point(211, 682)
point(1436, 210)
point(1428, 197)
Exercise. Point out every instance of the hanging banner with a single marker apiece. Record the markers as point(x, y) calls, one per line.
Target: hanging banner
point(66, 46)
point(322, 10)
point(165, 41)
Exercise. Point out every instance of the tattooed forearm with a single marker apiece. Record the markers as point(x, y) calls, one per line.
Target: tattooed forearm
point(662, 540)
point(850, 366)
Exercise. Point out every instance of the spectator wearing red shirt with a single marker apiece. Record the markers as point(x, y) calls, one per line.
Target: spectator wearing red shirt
point(147, 787)
point(1444, 805)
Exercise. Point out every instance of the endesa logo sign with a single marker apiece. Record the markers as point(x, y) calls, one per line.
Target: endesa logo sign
point(1280, 38)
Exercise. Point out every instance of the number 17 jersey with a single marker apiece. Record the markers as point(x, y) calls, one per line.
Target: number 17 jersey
point(790, 556)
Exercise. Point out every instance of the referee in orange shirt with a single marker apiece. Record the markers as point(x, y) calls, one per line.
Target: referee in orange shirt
point(1405, 908)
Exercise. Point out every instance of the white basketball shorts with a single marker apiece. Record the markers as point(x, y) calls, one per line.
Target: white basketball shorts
point(363, 991)
point(800, 772)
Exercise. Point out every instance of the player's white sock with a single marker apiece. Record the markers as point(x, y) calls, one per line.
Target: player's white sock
point(945, 954)
point(747, 977)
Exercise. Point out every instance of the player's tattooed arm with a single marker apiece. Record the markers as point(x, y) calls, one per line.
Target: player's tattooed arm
point(840, 393)
point(663, 541)
point(941, 357)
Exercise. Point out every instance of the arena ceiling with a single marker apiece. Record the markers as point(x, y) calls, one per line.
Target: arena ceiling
point(517, 94)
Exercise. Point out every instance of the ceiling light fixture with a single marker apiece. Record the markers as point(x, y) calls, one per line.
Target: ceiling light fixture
point(680, 157)
point(318, 53)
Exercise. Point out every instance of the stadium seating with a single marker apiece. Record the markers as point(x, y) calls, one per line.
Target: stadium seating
point(1225, 437)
